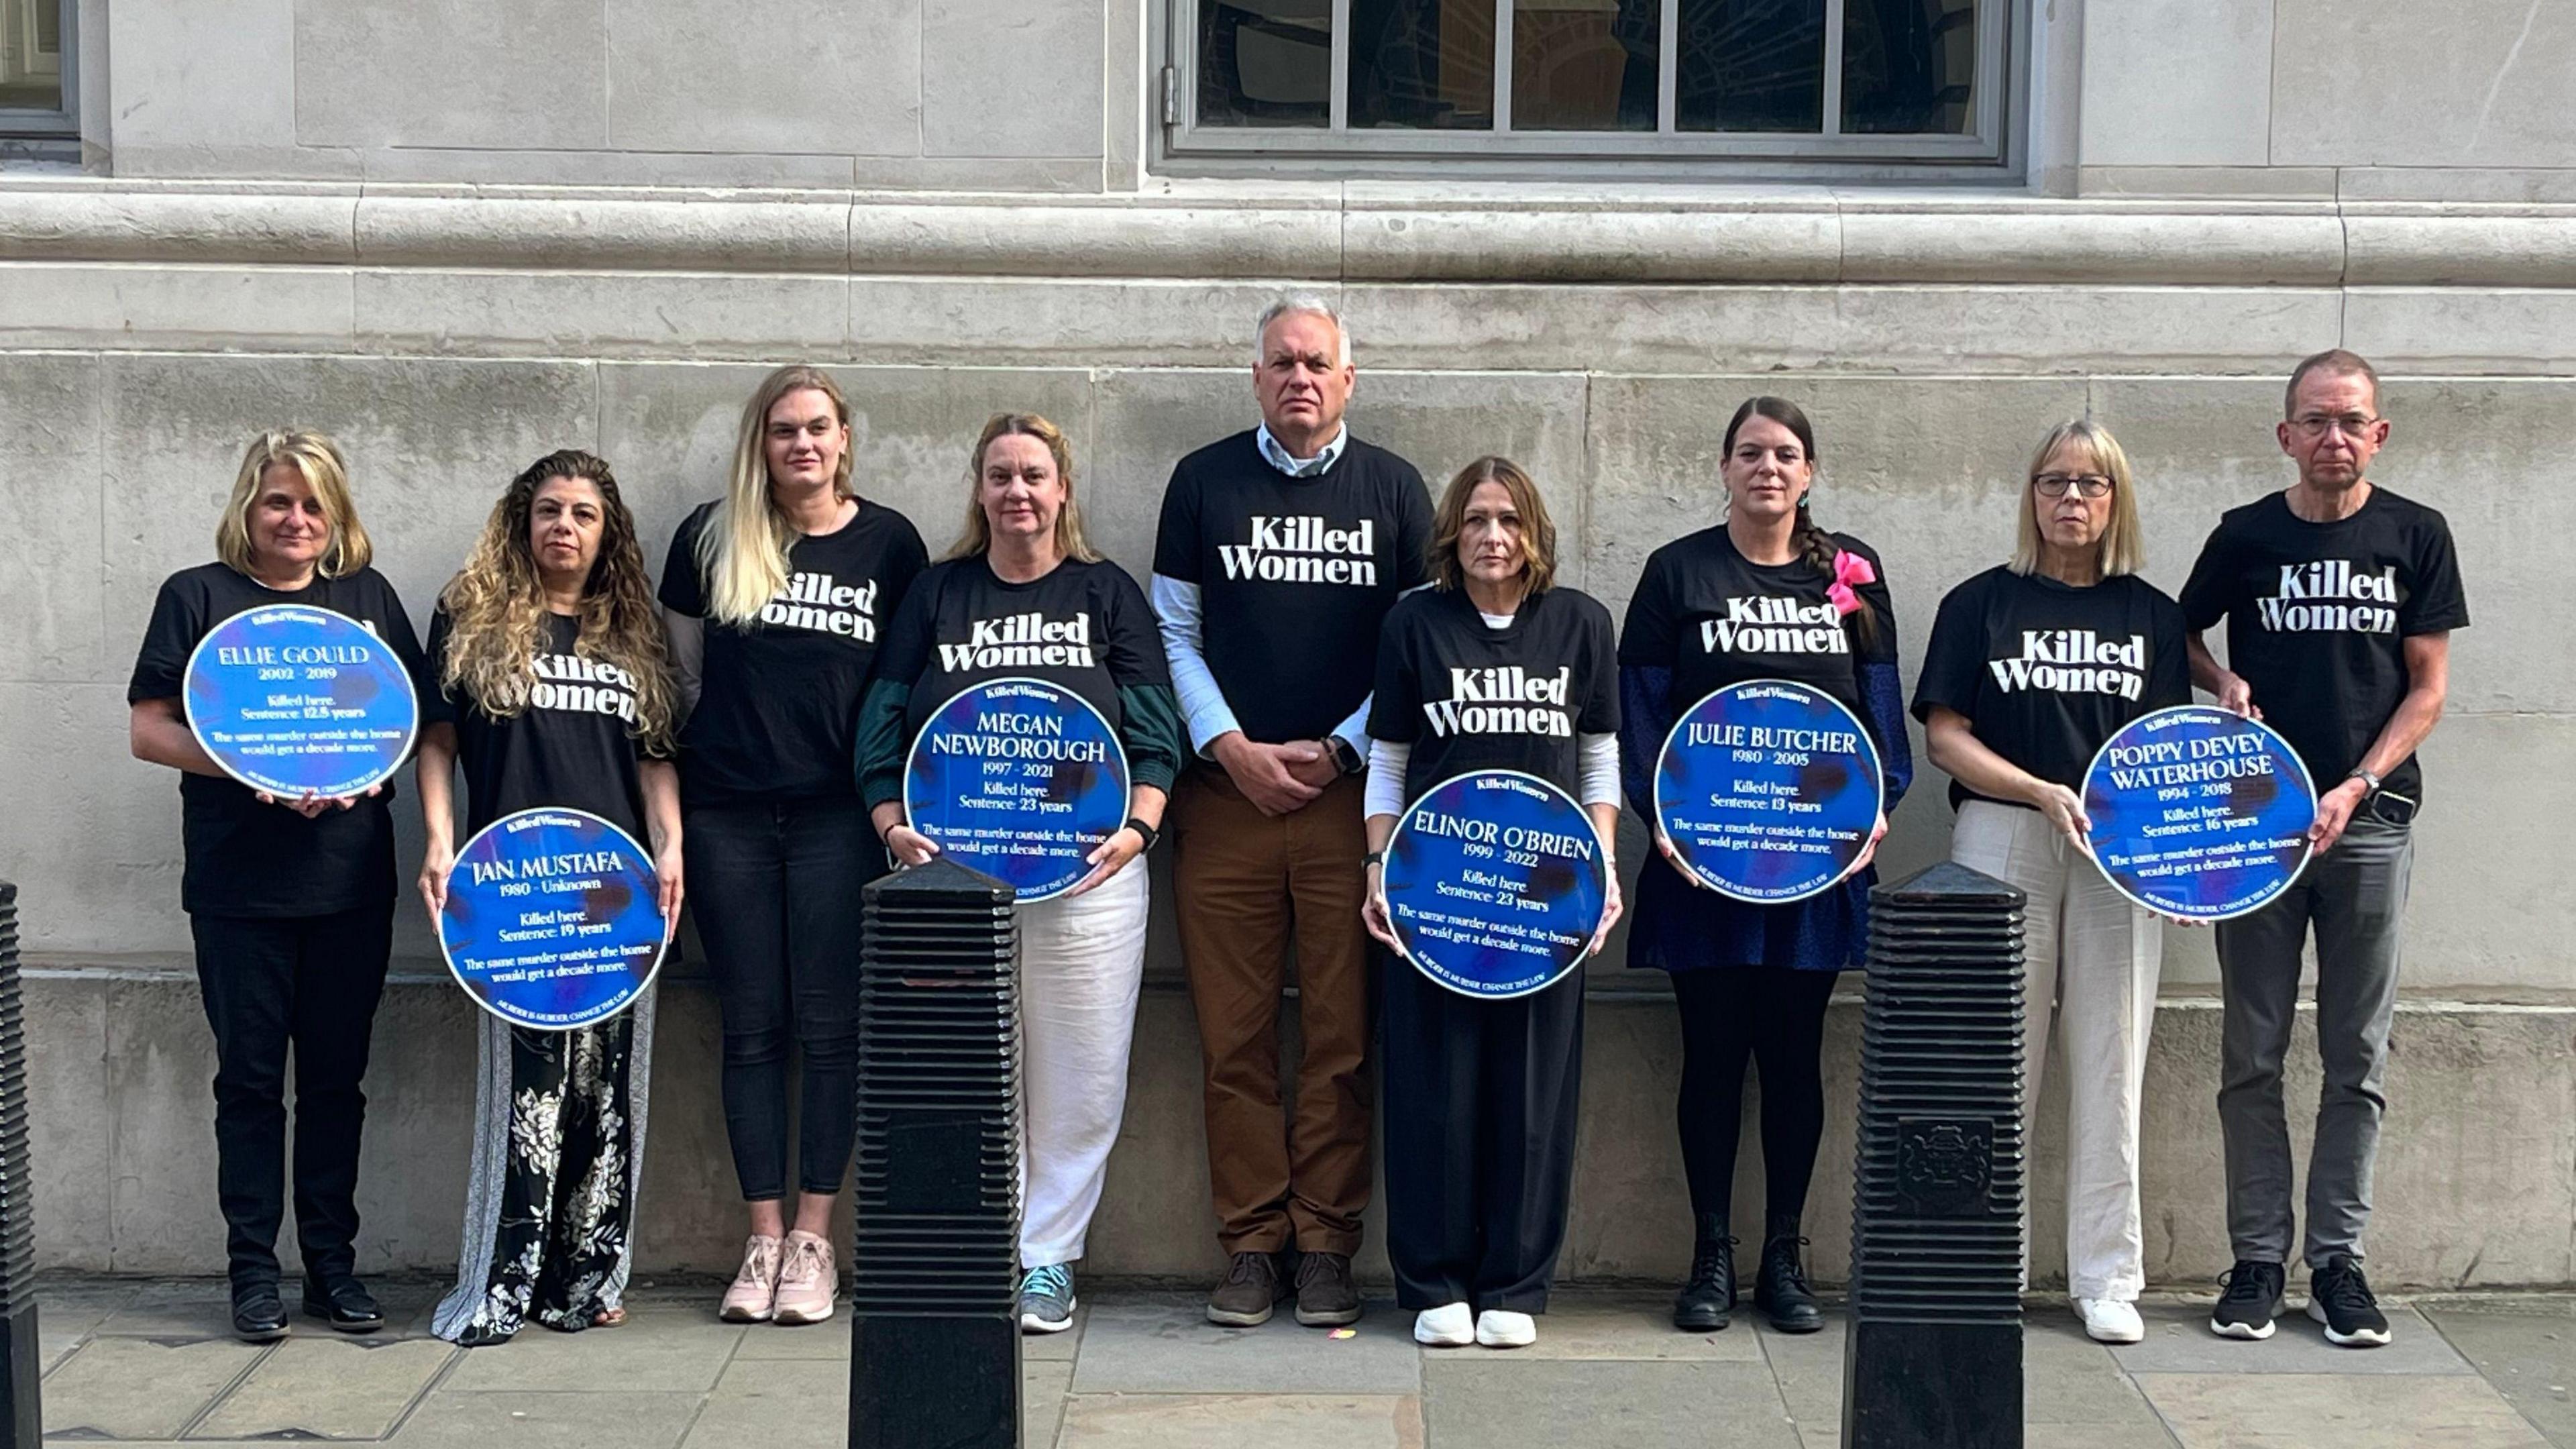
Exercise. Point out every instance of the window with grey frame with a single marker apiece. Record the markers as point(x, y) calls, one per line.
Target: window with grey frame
point(35, 67)
point(1770, 80)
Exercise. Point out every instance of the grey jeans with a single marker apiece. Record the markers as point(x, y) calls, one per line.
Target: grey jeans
point(2355, 895)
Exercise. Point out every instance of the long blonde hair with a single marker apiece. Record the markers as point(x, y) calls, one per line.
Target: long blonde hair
point(977, 535)
point(742, 552)
point(317, 460)
point(2122, 548)
point(496, 605)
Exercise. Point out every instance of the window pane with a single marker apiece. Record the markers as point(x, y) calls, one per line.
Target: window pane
point(1584, 65)
point(1423, 63)
point(31, 55)
point(1909, 66)
point(1751, 65)
point(1265, 62)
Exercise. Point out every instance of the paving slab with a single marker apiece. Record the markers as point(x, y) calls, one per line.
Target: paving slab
point(2337, 1411)
point(1044, 1387)
point(1056, 1347)
point(1809, 1369)
point(1195, 1421)
point(177, 1310)
point(829, 1339)
point(2525, 1348)
point(66, 1313)
point(629, 1419)
point(2179, 1341)
point(671, 1346)
point(1503, 1401)
point(1629, 1326)
point(2073, 1387)
point(141, 1388)
point(778, 1404)
point(1166, 1348)
point(312, 1388)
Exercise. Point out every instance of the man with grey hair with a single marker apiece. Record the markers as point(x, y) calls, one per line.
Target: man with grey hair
point(2340, 597)
point(1280, 551)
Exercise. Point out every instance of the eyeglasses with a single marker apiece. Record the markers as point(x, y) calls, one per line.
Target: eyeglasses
point(2054, 485)
point(2317, 425)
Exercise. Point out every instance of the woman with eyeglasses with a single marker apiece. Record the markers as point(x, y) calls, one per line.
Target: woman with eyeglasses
point(2032, 665)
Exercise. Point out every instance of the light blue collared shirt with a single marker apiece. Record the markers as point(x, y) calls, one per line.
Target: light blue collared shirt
point(1275, 453)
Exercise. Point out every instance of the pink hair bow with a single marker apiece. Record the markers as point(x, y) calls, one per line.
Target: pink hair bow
point(1850, 571)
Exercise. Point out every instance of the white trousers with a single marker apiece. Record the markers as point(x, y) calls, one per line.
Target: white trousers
point(2090, 962)
point(1081, 959)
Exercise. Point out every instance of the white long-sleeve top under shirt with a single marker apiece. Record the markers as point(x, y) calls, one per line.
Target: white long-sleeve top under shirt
point(1598, 765)
point(1203, 705)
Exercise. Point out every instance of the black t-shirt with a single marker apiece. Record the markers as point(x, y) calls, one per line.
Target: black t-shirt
point(779, 704)
point(1468, 696)
point(570, 746)
point(1715, 618)
point(1084, 626)
point(249, 859)
point(2045, 672)
point(1294, 575)
point(2318, 614)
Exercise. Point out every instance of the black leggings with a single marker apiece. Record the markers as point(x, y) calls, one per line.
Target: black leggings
point(1775, 1016)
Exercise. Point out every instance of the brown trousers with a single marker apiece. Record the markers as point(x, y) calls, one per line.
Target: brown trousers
point(1246, 885)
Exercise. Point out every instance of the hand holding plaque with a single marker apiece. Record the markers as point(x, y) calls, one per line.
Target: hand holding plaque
point(1496, 884)
point(1768, 792)
point(1020, 779)
point(2199, 813)
point(553, 919)
point(301, 703)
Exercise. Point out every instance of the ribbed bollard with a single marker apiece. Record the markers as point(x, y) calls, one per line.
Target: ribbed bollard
point(935, 1335)
point(22, 1417)
point(1934, 1358)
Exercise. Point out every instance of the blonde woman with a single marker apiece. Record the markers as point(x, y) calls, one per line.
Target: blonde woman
point(552, 691)
point(2031, 666)
point(290, 901)
point(773, 597)
point(1022, 560)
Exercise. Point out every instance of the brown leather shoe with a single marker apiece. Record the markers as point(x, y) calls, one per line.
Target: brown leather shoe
point(1250, 1289)
point(1326, 1296)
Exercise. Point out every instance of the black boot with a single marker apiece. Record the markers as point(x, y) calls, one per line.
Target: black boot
point(1708, 1299)
point(1781, 1288)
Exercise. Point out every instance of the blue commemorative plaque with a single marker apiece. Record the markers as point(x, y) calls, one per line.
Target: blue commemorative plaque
point(1495, 883)
point(1020, 779)
point(2199, 813)
point(298, 701)
point(553, 919)
point(1768, 791)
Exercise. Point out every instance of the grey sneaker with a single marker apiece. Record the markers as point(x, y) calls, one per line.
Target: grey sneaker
point(1046, 1299)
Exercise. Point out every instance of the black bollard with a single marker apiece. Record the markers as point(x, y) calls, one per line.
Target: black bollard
point(935, 1334)
point(22, 1411)
point(1934, 1358)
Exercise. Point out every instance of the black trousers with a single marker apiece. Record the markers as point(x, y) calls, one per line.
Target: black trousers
point(775, 890)
point(1480, 1101)
point(1773, 1017)
point(305, 987)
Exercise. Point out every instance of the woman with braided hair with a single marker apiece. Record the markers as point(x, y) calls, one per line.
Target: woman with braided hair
point(551, 691)
point(1767, 593)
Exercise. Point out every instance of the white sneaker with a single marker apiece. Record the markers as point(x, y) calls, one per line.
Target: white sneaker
point(1502, 1328)
point(2106, 1321)
point(1451, 1325)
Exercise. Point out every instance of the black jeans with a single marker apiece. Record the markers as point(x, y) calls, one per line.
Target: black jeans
point(775, 889)
point(308, 984)
point(1775, 1017)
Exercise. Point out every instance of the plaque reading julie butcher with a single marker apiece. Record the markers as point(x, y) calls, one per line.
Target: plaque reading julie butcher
point(553, 919)
point(1020, 779)
point(2199, 813)
point(1495, 883)
point(296, 701)
point(1768, 791)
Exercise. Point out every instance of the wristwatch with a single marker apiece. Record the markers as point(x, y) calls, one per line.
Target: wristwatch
point(1345, 759)
point(2370, 783)
point(1144, 832)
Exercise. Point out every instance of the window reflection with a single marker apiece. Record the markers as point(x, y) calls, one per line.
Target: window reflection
point(1751, 65)
point(1265, 62)
point(1423, 63)
point(1909, 66)
point(1584, 65)
point(31, 55)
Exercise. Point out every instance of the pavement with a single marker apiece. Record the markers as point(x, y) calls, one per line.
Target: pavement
point(151, 1363)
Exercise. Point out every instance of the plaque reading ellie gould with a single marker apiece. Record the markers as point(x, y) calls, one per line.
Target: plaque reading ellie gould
point(1495, 883)
point(297, 701)
point(2198, 812)
point(1768, 791)
point(1020, 779)
point(553, 919)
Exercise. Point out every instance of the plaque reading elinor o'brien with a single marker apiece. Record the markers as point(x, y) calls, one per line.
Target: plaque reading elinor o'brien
point(2198, 812)
point(1768, 791)
point(1020, 779)
point(553, 919)
point(1495, 883)
point(296, 701)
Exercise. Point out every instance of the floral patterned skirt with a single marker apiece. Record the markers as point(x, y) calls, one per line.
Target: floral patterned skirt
point(558, 1155)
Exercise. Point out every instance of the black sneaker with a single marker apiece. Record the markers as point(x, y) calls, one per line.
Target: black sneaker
point(2339, 1297)
point(2251, 1302)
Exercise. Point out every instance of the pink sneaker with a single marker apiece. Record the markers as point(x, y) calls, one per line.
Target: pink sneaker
point(754, 1292)
point(808, 1281)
